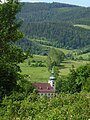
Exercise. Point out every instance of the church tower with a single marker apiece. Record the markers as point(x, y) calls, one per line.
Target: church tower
point(51, 80)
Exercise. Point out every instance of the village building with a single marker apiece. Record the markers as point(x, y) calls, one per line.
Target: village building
point(46, 89)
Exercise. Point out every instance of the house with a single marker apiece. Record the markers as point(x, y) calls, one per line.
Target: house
point(46, 89)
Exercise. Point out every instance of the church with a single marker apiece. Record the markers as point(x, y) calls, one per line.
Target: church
point(46, 89)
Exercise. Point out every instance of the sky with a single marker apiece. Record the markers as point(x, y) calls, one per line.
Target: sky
point(85, 3)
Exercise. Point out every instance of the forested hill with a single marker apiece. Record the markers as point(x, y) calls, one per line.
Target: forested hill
point(53, 12)
point(55, 24)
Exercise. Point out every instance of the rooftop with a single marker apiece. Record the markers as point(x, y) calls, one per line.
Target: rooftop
point(43, 87)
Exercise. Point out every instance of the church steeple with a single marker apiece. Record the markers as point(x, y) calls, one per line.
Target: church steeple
point(51, 80)
point(52, 75)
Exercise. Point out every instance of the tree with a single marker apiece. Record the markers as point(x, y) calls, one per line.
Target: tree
point(10, 55)
point(83, 74)
point(79, 79)
point(55, 57)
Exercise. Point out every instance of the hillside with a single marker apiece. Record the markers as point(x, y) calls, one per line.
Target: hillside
point(53, 24)
point(83, 26)
point(67, 97)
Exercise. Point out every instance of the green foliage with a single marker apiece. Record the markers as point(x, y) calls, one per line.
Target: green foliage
point(55, 57)
point(24, 85)
point(8, 24)
point(86, 86)
point(83, 73)
point(23, 102)
point(36, 63)
point(66, 65)
point(10, 55)
point(52, 24)
point(64, 106)
point(77, 80)
point(59, 34)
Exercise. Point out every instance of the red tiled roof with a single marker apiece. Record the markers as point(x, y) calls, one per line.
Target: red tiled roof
point(43, 87)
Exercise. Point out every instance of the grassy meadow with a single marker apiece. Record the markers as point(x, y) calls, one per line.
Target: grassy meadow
point(41, 74)
point(85, 56)
point(36, 74)
point(83, 26)
point(67, 65)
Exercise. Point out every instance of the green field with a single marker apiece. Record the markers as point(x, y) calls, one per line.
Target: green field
point(85, 56)
point(41, 74)
point(36, 74)
point(67, 65)
point(83, 26)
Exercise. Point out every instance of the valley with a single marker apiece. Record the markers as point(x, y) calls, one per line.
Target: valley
point(44, 61)
point(41, 74)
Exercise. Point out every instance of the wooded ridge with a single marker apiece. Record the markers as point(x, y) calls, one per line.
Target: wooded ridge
point(54, 24)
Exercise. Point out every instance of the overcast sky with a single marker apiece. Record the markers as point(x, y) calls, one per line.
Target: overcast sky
point(75, 2)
